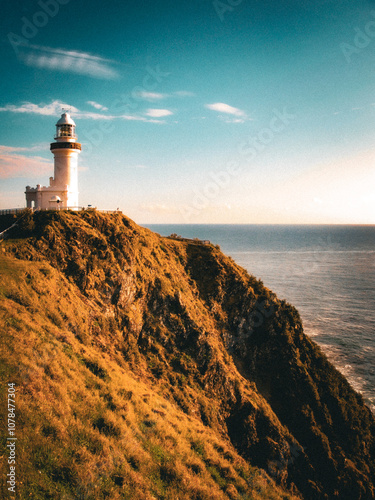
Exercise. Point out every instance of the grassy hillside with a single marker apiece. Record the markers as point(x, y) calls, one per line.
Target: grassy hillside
point(89, 425)
point(152, 368)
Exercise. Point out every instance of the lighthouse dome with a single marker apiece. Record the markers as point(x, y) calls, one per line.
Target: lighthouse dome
point(65, 120)
point(65, 129)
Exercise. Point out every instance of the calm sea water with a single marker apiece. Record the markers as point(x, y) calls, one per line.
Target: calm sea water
point(326, 272)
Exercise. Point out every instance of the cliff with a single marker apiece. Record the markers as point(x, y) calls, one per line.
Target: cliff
point(148, 367)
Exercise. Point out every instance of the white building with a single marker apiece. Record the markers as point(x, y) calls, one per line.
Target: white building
point(63, 189)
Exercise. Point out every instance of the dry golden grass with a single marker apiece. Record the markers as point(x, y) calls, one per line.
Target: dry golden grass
point(90, 425)
point(136, 359)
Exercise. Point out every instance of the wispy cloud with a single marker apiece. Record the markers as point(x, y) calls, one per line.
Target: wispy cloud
point(13, 164)
point(52, 109)
point(71, 61)
point(158, 113)
point(91, 115)
point(151, 96)
point(97, 105)
point(13, 149)
point(156, 96)
point(221, 107)
point(55, 109)
point(138, 119)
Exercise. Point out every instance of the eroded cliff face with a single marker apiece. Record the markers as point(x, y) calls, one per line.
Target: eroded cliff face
point(212, 339)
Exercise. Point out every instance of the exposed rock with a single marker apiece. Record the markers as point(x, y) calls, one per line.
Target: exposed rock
point(219, 344)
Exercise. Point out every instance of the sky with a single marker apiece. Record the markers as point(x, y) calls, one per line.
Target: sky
point(206, 111)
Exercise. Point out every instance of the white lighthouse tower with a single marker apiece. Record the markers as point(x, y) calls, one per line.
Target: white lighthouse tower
point(63, 189)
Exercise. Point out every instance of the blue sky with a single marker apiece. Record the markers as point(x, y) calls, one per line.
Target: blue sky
point(204, 111)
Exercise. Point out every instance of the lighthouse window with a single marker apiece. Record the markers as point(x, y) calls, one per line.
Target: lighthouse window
point(65, 131)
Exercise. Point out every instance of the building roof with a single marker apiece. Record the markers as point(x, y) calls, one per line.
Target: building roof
point(65, 120)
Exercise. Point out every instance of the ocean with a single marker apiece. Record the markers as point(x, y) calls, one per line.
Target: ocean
point(326, 272)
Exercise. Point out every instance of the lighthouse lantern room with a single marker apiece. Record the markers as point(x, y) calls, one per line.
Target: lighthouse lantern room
point(62, 193)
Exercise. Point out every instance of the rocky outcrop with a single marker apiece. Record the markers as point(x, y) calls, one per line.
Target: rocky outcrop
point(218, 343)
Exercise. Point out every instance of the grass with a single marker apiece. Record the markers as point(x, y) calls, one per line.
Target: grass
point(88, 426)
point(136, 359)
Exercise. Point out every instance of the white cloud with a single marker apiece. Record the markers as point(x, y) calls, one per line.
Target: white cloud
point(97, 105)
point(52, 109)
point(221, 107)
point(91, 115)
point(156, 96)
point(72, 61)
point(158, 113)
point(55, 109)
point(232, 120)
point(151, 96)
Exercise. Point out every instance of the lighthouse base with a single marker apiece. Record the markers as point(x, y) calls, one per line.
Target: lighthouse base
point(51, 198)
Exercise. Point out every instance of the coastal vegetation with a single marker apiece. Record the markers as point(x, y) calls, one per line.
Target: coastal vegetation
point(157, 368)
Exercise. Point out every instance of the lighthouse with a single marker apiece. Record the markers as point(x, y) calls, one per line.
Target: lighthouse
point(62, 193)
